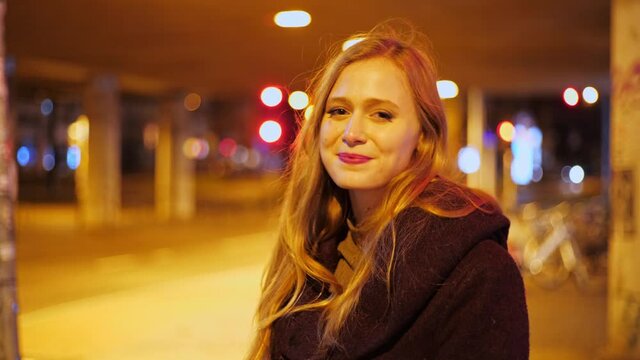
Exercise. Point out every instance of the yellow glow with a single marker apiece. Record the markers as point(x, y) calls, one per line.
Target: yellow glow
point(195, 148)
point(298, 100)
point(590, 95)
point(292, 19)
point(192, 102)
point(78, 131)
point(507, 131)
point(271, 96)
point(308, 112)
point(349, 43)
point(447, 89)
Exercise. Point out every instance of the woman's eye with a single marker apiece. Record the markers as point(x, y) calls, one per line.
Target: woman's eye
point(337, 112)
point(384, 115)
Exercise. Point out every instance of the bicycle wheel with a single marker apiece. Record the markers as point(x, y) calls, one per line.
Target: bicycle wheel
point(550, 273)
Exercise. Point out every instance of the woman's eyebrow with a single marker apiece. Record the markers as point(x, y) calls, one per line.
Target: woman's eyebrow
point(338, 99)
point(375, 101)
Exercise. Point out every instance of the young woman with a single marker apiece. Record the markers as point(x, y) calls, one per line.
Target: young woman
point(380, 254)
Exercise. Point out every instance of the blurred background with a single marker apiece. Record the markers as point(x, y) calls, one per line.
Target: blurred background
point(145, 141)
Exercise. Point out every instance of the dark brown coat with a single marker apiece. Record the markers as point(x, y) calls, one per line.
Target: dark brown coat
point(456, 294)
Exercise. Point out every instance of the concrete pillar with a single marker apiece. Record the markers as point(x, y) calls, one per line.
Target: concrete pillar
point(454, 109)
point(99, 176)
point(624, 251)
point(9, 348)
point(485, 178)
point(175, 173)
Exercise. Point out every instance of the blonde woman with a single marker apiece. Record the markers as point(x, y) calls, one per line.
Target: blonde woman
point(380, 254)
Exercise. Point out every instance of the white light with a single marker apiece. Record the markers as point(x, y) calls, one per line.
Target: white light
point(292, 19)
point(590, 95)
point(447, 89)
point(576, 174)
point(271, 96)
point(523, 156)
point(270, 131)
point(535, 134)
point(571, 96)
point(521, 172)
point(468, 160)
point(298, 100)
point(349, 43)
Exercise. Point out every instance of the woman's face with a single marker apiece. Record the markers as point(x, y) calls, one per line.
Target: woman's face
point(370, 128)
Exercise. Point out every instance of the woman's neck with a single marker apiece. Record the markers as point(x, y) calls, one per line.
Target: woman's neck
point(364, 202)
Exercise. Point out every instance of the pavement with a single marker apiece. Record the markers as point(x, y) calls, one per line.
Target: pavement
point(188, 290)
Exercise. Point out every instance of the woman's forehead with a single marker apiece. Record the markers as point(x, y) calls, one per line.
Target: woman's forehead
point(376, 78)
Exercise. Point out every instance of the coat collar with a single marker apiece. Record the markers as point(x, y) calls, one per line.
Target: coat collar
point(429, 249)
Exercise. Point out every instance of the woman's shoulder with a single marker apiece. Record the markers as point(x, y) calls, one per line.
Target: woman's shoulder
point(430, 247)
point(432, 229)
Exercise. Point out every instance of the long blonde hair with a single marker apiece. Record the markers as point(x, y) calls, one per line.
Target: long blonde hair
point(316, 209)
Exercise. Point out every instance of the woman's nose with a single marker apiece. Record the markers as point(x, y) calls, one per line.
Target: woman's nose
point(354, 133)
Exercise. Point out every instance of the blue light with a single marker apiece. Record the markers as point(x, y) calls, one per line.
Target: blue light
point(46, 107)
point(489, 139)
point(468, 160)
point(23, 156)
point(73, 157)
point(48, 162)
point(521, 171)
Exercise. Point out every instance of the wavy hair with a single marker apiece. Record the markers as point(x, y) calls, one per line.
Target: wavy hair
point(315, 209)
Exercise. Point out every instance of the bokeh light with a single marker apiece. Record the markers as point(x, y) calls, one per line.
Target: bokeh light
point(506, 130)
point(227, 147)
point(23, 156)
point(590, 95)
point(308, 112)
point(292, 18)
point(46, 107)
point(270, 131)
point(74, 157)
point(254, 159)
point(537, 174)
point(468, 160)
point(571, 96)
point(195, 148)
point(271, 96)
point(298, 100)
point(564, 174)
point(241, 155)
point(48, 160)
point(576, 174)
point(192, 102)
point(447, 89)
point(350, 42)
point(78, 131)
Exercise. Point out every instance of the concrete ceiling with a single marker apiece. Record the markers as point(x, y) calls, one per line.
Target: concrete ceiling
point(226, 48)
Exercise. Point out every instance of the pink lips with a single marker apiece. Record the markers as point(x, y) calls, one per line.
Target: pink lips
point(350, 158)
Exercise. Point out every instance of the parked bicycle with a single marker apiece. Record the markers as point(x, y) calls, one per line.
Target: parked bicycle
point(549, 244)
